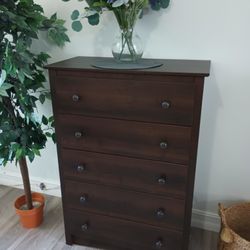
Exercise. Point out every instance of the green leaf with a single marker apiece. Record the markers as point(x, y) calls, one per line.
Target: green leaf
point(43, 57)
point(53, 17)
point(165, 3)
point(48, 134)
point(100, 4)
point(24, 139)
point(26, 58)
point(94, 19)
point(3, 8)
point(56, 35)
point(44, 120)
point(38, 8)
point(3, 93)
point(6, 86)
point(47, 23)
point(54, 137)
point(77, 26)
point(42, 98)
point(21, 76)
point(36, 151)
point(31, 155)
point(3, 77)
point(8, 65)
point(28, 76)
point(19, 153)
point(51, 118)
point(156, 6)
point(56, 30)
point(21, 45)
point(48, 95)
point(15, 146)
point(75, 14)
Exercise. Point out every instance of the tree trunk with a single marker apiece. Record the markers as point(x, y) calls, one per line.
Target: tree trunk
point(26, 182)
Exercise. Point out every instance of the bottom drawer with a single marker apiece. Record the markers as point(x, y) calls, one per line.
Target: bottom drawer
point(110, 233)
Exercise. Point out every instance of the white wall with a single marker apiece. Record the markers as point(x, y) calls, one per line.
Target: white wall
point(194, 29)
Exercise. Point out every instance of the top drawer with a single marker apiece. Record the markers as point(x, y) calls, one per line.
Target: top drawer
point(168, 101)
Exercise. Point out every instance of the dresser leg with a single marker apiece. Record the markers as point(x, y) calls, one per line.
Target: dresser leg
point(68, 239)
point(186, 241)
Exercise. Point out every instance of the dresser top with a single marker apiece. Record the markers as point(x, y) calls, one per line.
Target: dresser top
point(170, 67)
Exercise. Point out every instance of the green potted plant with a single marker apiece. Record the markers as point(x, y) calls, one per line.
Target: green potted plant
point(23, 133)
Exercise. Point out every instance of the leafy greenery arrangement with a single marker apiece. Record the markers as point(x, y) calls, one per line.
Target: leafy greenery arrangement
point(126, 11)
point(22, 133)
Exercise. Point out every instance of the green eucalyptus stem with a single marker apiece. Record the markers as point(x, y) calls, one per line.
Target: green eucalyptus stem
point(127, 36)
point(123, 46)
point(126, 19)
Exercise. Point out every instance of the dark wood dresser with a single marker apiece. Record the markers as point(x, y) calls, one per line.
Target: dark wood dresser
point(127, 145)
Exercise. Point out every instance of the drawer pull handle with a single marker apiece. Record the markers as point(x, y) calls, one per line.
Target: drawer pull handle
point(163, 145)
point(165, 105)
point(78, 134)
point(85, 227)
point(75, 98)
point(160, 212)
point(162, 180)
point(159, 244)
point(83, 199)
point(80, 168)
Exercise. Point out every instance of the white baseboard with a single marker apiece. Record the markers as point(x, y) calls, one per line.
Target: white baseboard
point(201, 219)
point(12, 179)
point(205, 220)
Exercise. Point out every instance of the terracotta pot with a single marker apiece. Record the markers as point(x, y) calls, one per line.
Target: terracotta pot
point(30, 218)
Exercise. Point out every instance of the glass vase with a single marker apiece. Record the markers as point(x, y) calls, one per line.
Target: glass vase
point(127, 46)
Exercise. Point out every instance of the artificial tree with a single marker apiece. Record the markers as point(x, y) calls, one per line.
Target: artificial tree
point(23, 132)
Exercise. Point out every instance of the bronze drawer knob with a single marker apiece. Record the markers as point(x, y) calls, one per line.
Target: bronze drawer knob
point(83, 199)
point(159, 244)
point(78, 134)
point(85, 227)
point(75, 98)
point(163, 145)
point(160, 212)
point(165, 105)
point(162, 180)
point(80, 168)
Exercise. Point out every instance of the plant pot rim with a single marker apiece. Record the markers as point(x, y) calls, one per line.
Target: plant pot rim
point(21, 201)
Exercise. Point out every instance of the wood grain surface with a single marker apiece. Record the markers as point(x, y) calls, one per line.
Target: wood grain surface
point(128, 138)
point(161, 178)
point(126, 204)
point(136, 99)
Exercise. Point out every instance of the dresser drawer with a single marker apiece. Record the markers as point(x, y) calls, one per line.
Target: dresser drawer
point(171, 101)
point(136, 139)
point(142, 175)
point(110, 233)
point(136, 206)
